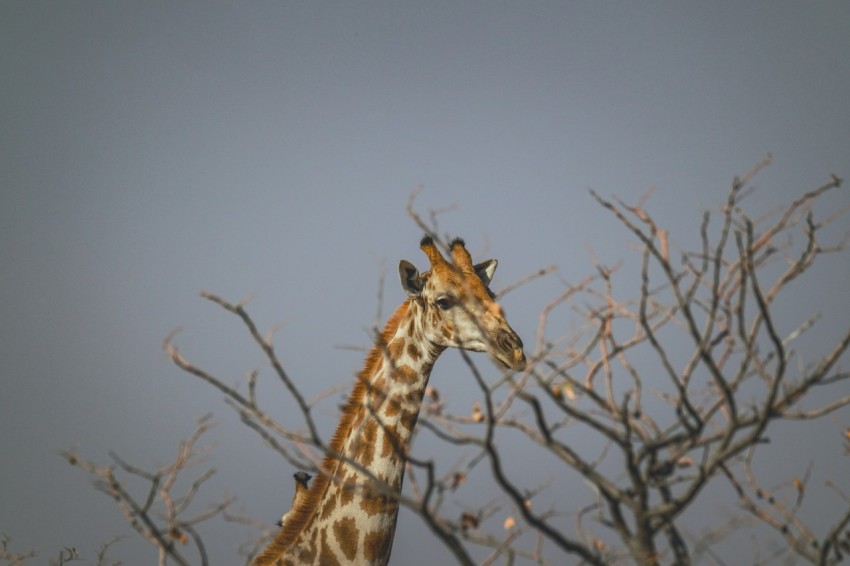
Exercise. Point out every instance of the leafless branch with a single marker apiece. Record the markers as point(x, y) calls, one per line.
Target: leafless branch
point(673, 382)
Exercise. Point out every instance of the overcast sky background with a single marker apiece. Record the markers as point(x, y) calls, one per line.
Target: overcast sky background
point(151, 150)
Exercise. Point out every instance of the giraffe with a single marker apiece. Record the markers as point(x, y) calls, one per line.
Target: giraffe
point(348, 514)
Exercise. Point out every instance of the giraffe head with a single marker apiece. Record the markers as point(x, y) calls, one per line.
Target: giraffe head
point(457, 308)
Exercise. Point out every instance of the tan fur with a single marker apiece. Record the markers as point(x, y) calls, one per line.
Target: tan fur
point(300, 516)
point(342, 516)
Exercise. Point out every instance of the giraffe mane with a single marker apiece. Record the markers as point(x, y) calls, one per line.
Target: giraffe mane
point(300, 516)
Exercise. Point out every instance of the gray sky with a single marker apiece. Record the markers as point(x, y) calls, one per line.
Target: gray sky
point(151, 150)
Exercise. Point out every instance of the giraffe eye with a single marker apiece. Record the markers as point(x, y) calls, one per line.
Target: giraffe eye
point(444, 303)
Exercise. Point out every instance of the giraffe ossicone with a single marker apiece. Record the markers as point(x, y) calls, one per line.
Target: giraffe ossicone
point(348, 514)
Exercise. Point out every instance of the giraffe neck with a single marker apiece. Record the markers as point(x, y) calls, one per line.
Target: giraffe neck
point(361, 505)
point(384, 416)
point(350, 513)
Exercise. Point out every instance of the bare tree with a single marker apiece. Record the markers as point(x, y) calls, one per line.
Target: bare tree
point(64, 556)
point(671, 389)
point(158, 514)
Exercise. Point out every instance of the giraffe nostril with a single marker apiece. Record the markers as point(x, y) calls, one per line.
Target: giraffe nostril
point(508, 341)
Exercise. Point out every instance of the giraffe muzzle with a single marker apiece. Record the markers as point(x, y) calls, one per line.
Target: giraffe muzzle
point(510, 350)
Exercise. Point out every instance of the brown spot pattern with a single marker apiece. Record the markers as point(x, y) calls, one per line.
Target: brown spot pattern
point(395, 348)
point(378, 390)
point(375, 545)
point(408, 419)
point(328, 508)
point(308, 553)
point(390, 436)
point(406, 374)
point(413, 351)
point(346, 492)
point(326, 555)
point(379, 386)
point(347, 535)
point(366, 443)
point(414, 397)
point(393, 406)
point(374, 503)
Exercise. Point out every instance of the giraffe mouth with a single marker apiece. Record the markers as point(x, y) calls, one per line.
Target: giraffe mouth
point(514, 361)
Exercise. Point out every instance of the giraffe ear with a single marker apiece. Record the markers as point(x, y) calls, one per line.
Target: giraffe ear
point(486, 269)
point(411, 281)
